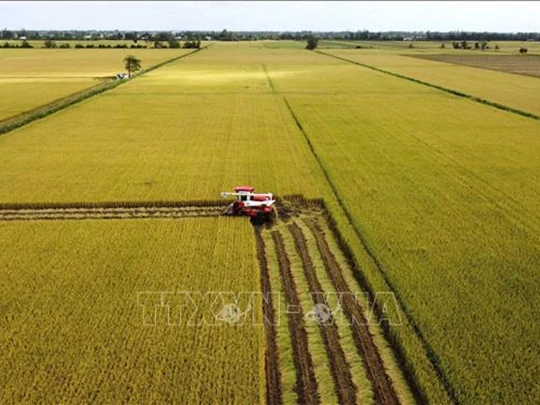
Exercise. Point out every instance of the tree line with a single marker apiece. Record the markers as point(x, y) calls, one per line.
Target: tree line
point(226, 35)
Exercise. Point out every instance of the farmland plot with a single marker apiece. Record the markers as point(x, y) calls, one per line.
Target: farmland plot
point(30, 78)
point(520, 92)
point(195, 147)
point(447, 203)
point(527, 66)
point(335, 358)
point(420, 188)
point(73, 293)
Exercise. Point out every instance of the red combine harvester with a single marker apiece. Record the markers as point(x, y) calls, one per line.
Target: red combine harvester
point(259, 207)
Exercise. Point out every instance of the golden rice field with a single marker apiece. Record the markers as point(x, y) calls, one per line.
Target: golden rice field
point(30, 78)
point(434, 198)
point(516, 91)
point(72, 326)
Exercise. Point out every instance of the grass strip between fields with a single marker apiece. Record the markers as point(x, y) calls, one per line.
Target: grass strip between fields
point(441, 88)
point(270, 82)
point(431, 354)
point(43, 111)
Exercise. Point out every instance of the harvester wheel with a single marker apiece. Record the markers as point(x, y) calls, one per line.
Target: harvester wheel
point(258, 219)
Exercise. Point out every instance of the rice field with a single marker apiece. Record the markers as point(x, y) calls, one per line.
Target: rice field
point(411, 190)
point(78, 301)
point(30, 78)
point(513, 90)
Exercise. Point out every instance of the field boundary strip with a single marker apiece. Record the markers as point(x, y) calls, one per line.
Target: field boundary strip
point(270, 82)
point(431, 354)
point(441, 88)
point(11, 123)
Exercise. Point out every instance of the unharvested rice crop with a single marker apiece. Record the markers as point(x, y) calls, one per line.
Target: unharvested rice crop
point(447, 203)
point(72, 326)
point(432, 196)
point(516, 91)
point(30, 78)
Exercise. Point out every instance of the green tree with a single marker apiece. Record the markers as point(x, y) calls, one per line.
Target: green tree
point(6, 34)
point(312, 42)
point(50, 43)
point(132, 64)
point(173, 43)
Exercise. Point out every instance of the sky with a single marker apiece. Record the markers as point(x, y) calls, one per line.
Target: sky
point(501, 16)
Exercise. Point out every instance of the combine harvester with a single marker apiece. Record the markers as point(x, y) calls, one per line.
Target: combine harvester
point(258, 207)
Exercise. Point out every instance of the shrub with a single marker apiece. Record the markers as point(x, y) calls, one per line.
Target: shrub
point(49, 43)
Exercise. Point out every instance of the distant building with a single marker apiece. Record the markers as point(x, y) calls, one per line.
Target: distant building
point(207, 38)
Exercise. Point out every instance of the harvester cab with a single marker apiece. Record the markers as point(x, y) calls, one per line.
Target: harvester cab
point(259, 207)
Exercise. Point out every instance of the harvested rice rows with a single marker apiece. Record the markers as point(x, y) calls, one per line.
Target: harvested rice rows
point(304, 284)
point(271, 360)
point(446, 205)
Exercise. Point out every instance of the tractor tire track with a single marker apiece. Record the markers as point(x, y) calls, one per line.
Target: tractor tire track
point(339, 367)
point(383, 390)
point(271, 357)
point(306, 384)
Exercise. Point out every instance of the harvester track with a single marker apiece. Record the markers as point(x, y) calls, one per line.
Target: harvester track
point(306, 384)
point(383, 389)
point(339, 367)
point(271, 357)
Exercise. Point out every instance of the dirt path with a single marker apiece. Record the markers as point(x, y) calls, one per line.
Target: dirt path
point(306, 384)
point(339, 367)
point(383, 389)
point(271, 357)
